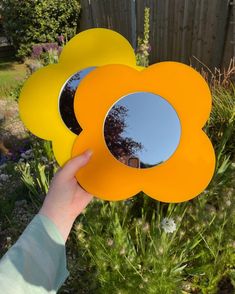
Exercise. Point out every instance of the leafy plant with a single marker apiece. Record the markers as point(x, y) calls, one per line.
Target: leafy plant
point(37, 167)
point(143, 46)
point(30, 22)
point(130, 253)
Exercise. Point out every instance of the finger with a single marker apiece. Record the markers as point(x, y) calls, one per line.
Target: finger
point(70, 169)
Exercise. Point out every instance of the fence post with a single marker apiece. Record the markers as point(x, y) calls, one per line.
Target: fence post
point(133, 23)
point(233, 23)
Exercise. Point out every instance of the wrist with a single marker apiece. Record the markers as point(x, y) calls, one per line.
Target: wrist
point(63, 221)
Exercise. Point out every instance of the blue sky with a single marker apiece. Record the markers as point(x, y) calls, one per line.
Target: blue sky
point(153, 122)
point(75, 83)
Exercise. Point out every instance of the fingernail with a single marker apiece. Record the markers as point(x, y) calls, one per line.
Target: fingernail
point(88, 153)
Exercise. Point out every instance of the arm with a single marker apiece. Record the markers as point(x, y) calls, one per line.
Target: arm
point(36, 263)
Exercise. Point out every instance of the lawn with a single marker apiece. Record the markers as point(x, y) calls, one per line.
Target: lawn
point(11, 73)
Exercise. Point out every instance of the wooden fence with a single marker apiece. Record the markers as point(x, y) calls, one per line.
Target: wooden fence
point(180, 30)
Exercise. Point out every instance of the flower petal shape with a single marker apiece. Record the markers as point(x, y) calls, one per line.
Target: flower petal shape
point(38, 102)
point(114, 74)
point(186, 173)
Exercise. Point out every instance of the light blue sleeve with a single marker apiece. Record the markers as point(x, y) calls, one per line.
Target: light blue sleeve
point(36, 263)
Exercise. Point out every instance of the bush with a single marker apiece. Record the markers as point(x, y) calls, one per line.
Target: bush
point(30, 22)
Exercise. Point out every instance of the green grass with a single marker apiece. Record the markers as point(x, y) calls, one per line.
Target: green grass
point(11, 73)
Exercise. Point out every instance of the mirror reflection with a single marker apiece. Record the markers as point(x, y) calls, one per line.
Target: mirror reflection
point(142, 130)
point(66, 100)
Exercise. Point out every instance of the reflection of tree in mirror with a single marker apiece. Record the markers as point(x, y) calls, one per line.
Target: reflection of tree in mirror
point(147, 165)
point(120, 146)
point(66, 104)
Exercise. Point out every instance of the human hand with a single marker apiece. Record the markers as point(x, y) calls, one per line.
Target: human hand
point(66, 199)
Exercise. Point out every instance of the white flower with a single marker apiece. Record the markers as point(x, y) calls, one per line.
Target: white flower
point(146, 227)
point(78, 226)
point(44, 159)
point(122, 251)
point(168, 225)
point(110, 242)
point(161, 250)
point(3, 166)
point(28, 152)
point(24, 156)
point(116, 267)
point(4, 177)
point(228, 202)
point(139, 221)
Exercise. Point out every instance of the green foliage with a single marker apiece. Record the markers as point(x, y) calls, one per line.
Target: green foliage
point(221, 125)
point(15, 92)
point(130, 253)
point(128, 250)
point(36, 169)
point(143, 46)
point(50, 57)
point(30, 22)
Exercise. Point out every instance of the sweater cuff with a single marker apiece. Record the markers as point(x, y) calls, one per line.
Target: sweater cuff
point(52, 250)
point(50, 227)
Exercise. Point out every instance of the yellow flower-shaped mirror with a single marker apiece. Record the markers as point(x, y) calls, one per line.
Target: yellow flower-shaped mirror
point(144, 125)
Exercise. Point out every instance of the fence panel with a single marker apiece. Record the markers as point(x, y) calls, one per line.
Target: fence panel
point(181, 30)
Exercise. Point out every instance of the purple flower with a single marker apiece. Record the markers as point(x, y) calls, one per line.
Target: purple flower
point(37, 51)
point(50, 46)
point(60, 39)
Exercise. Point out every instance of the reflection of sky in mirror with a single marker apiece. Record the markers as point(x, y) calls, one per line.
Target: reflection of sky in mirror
point(73, 83)
point(152, 121)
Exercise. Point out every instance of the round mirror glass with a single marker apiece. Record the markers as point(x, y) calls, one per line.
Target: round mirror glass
point(66, 100)
point(142, 130)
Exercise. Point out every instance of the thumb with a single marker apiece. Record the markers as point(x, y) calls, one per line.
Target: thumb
point(72, 166)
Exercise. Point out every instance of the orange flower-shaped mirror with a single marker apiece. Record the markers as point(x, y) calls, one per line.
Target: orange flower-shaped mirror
point(144, 125)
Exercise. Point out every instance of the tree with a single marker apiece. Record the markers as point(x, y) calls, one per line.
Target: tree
point(66, 104)
point(114, 127)
point(30, 22)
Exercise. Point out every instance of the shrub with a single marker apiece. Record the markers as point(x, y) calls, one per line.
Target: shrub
point(30, 22)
